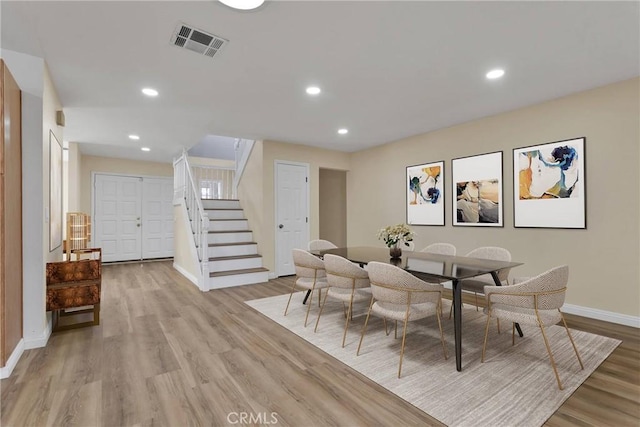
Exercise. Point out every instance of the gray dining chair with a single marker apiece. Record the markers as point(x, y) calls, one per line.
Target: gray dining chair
point(477, 284)
point(399, 295)
point(320, 245)
point(440, 248)
point(348, 283)
point(536, 301)
point(310, 275)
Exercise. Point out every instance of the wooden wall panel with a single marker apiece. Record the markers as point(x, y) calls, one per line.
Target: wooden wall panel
point(10, 216)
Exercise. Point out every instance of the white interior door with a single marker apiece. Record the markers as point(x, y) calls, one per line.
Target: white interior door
point(292, 213)
point(157, 218)
point(117, 215)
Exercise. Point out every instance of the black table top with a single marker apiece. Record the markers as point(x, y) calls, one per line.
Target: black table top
point(423, 264)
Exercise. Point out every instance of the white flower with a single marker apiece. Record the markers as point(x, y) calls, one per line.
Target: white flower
point(394, 234)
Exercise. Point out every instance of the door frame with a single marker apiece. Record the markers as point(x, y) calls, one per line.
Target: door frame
point(93, 194)
point(276, 164)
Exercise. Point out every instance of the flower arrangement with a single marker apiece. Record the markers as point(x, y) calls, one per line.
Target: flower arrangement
point(394, 234)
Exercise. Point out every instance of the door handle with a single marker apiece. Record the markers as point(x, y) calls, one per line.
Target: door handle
point(281, 226)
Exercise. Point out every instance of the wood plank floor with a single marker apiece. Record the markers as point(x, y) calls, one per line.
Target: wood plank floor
point(167, 354)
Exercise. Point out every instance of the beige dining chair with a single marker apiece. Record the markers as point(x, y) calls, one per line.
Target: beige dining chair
point(399, 295)
point(348, 283)
point(536, 301)
point(440, 248)
point(310, 275)
point(477, 284)
point(320, 245)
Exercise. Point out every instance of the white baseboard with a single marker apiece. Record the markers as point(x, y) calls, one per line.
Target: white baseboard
point(39, 341)
point(607, 316)
point(272, 275)
point(193, 279)
point(6, 370)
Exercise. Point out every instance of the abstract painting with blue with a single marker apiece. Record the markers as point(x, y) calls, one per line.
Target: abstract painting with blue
point(549, 185)
point(424, 186)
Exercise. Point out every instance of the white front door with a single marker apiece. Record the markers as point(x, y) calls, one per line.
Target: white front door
point(292, 213)
point(157, 218)
point(117, 217)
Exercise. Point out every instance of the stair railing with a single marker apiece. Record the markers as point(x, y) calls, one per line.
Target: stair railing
point(198, 218)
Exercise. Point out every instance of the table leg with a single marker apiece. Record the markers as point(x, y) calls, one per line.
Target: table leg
point(494, 274)
point(304, 301)
point(457, 322)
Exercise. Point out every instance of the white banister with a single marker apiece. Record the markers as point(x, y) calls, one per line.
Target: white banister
point(184, 186)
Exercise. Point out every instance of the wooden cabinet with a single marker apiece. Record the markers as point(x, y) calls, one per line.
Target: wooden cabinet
point(10, 215)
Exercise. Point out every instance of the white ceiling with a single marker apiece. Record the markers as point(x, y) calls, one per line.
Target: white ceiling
point(388, 70)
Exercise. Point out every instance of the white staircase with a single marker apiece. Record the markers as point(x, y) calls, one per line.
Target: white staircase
point(233, 255)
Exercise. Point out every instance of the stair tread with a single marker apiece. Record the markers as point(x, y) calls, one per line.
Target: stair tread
point(231, 257)
point(227, 219)
point(223, 209)
point(233, 272)
point(230, 231)
point(231, 244)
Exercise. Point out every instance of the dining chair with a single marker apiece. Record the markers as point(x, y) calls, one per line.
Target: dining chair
point(348, 283)
point(399, 295)
point(440, 248)
point(536, 301)
point(310, 275)
point(320, 245)
point(477, 284)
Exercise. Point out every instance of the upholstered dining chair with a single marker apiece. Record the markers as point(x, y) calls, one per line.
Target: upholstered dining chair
point(348, 283)
point(536, 301)
point(320, 245)
point(440, 248)
point(310, 275)
point(477, 284)
point(399, 295)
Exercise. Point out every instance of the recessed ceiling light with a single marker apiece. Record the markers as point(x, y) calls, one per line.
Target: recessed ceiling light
point(134, 137)
point(146, 149)
point(313, 90)
point(243, 4)
point(495, 74)
point(343, 131)
point(149, 91)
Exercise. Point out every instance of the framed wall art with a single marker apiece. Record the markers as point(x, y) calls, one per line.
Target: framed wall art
point(55, 192)
point(425, 194)
point(549, 185)
point(477, 189)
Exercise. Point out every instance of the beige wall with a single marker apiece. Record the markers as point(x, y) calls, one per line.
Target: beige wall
point(50, 104)
point(603, 259)
point(184, 250)
point(89, 164)
point(261, 214)
point(73, 194)
point(332, 215)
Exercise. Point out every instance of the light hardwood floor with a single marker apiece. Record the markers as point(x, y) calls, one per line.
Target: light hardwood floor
point(167, 354)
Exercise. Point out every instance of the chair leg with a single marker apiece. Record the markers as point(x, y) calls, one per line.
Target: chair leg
point(513, 334)
point(344, 310)
point(395, 333)
point(498, 321)
point(364, 328)
point(553, 362)
point(319, 296)
point(293, 288)
point(476, 294)
point(486, 334)
point(444, 346)
point(572, 342)
point(404, 335)
point(346, 324)
point(326, 294)
point(308, 307)
point(386, 331)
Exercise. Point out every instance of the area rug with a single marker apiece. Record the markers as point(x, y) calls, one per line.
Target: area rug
point(515, 386)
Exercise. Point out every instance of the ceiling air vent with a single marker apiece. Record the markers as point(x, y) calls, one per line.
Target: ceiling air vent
point(198, 41)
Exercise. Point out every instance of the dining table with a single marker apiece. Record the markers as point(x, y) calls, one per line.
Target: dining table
point(432, 268)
